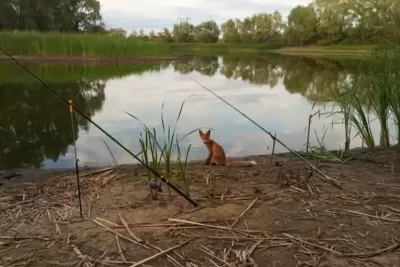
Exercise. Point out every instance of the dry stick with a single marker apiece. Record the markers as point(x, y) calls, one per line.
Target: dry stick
point(205, 250)
point(106, 221)
point(135, 241)
point(360, 255)
point(212, 226)
point(120, 249)
point(168, 256)
point(313, 245)
point(213, 262)
point(244, 212)
point(325, 178)
point(138, 239)
point(115, 232)
point(159, 254)
point(253, 248)
point(371, 216)
point(273, 150)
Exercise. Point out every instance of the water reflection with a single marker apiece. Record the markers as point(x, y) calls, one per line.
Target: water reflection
point(35, 126)
point(276, 91)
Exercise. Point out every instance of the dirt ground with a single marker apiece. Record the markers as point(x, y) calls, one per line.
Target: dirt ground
point(267, 216)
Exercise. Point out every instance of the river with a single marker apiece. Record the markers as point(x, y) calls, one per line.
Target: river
point(278, 92)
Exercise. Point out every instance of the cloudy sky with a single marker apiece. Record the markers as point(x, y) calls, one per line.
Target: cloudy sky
point(156, 14)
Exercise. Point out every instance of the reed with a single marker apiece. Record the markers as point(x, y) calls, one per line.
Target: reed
point(78, 45)
point(165, 155)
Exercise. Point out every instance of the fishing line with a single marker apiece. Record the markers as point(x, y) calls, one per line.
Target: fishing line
point(174, 187)
point(328, 179)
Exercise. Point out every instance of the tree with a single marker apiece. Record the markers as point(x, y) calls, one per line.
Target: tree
point(301, 26)
point(117, 31)
point(46, 15)
point(230, 32)
point(183, 32)
point(207, 32)
point(166, 36)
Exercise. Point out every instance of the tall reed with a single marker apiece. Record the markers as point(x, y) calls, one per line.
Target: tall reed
point(78, 44)
point(165, 154)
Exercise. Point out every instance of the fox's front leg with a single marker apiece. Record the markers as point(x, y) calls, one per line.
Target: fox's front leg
point(209, 157)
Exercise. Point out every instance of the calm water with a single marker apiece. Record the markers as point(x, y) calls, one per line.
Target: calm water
point(277, 92)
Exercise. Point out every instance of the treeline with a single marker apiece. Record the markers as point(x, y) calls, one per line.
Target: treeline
point(49, 15)
point(323, 22)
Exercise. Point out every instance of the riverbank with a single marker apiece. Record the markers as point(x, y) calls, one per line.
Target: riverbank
point(51, 47)
point(268, 210)
point(89, 60)
point(327, 50)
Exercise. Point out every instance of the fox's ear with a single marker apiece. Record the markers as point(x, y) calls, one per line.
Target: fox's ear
point(201, 133)
point(208, 133)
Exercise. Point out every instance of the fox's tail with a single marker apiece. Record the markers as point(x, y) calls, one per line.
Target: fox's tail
point(242, 163)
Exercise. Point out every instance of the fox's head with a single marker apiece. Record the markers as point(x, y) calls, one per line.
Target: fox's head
point(205, 137)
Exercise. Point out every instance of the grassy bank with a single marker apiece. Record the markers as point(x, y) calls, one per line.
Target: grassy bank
point(79, 45)
point(96, 45)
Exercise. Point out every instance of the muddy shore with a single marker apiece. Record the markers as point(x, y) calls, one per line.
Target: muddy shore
point(270, 215)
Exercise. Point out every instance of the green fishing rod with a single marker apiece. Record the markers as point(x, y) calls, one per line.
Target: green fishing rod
point(161, 177)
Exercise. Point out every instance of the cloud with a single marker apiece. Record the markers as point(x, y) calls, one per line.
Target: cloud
point(152, 14)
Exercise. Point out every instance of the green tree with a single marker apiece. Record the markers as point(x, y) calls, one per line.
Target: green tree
point(230, 31)
point(207, 32)
point(165, 36)
point(183, 32)
point(47, 15)
point(301, 26)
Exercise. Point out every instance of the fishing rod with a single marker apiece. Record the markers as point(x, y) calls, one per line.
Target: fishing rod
point(71, 111)
point(161, 177)
point(327, 179)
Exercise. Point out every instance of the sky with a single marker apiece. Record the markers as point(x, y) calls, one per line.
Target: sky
point(155, 14)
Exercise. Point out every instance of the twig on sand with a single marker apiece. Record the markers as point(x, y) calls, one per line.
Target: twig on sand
point(159, 254)
point(212, 226)
point(370, 216)
point(337, 253)
point(134, 240)
point(210, 253)
point(312, 244)
point(168, 256)
point(120, 249)
point(244, 212)
point(115, 232)
point(138, 239)
point(324, 177)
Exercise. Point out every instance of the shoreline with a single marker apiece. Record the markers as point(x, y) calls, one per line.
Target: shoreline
point(193, 50)
point(34, 172)
point(83, 60)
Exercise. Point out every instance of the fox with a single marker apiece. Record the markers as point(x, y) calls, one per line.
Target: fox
point(216, 153)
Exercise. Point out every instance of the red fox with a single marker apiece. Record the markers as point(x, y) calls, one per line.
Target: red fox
point(216, 154)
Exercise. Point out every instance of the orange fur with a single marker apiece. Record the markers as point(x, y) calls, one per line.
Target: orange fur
point(216, 153)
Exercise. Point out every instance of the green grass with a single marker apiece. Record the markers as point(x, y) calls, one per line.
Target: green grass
point(59, 73)
point(79, 45)
point(101, 45)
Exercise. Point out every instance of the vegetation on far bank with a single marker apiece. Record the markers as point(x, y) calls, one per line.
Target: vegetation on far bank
point(93, 45)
